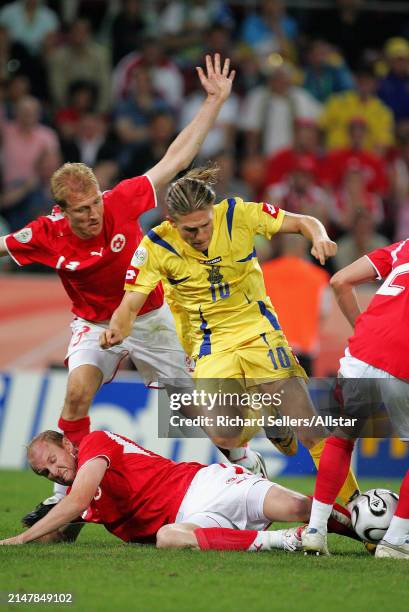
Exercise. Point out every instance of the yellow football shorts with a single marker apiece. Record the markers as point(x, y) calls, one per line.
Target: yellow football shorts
point(263, 359)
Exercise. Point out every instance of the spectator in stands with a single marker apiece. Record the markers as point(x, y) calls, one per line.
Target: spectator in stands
point(16, 88)
point(399, 175)
point(253, 173)
point(298, 289)
point(354, 197)
point(222, 135)
point(270, 30)
point(364, 103)
point(372, 166)
point(166, 76)
point(24, 141)
point(228, 183)
point(29, 22)
point(82, 98)
point(14, 57)
point(91, 142)
point(362, 239)
point(299, 192)
point(394, 87)
point(346, 26)
point(161, 131)
point(307, 143)
point(325, 72)
point(182, 25)
point(131, 116)
point(127, 30)
point(269, 111)
point(80, 59)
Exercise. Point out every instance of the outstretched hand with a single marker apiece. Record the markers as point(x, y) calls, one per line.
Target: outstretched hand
point(216, 82)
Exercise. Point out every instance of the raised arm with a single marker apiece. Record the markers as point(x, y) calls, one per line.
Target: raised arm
point(72, 506)
point(313, 230)
point(217, 83)
point(122, 320)
point(343, 283)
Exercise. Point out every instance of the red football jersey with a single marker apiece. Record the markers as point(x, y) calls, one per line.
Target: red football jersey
point(93, 270)
point(382, 330)
point(140, 491)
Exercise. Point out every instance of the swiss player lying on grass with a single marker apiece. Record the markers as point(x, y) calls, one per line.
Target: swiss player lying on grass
point(142, 497)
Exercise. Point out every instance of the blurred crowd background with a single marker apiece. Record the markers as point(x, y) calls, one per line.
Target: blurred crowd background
point(318, 121)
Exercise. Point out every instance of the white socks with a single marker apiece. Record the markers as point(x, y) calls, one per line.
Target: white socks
point(320, 514)
point(398, 531)
point(243, 456)
point(266, 540)
point(60, 490)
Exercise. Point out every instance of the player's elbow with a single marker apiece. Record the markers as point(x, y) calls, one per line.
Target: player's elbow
point(338, 281)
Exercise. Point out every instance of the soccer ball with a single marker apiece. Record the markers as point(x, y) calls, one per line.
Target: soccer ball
point(372, 513)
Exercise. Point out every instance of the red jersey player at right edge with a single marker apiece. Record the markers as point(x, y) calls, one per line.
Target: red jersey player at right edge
point(89, 240)
point(377, 359)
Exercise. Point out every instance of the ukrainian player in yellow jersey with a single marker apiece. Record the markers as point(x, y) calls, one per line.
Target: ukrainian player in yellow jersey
point(205, 253)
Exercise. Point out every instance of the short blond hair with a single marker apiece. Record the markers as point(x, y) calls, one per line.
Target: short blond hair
point(50, 436)
point(71, 178)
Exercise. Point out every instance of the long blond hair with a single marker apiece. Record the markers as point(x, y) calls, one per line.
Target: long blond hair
point(193, 191)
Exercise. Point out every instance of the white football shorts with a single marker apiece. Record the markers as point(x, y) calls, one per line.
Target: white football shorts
point(153, 347)
point(392, 391)
point(227, 496)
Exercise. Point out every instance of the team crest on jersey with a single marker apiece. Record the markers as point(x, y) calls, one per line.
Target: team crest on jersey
point(140, 257)
point(214, 275)
point(117, 243)
point(271, 210)
point(24, 235)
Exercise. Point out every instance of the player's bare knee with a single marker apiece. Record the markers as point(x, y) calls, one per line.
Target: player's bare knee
point(169, 537)
point(301, 508)
point(77, 401)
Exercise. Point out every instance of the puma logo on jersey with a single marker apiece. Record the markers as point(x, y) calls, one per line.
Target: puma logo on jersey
point(98, 253)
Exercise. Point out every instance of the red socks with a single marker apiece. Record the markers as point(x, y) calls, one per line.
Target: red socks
point(402, 510)
point(333, 469)
point(219, 538)
point(75, 431)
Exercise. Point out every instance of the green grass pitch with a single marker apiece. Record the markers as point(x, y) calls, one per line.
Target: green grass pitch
point(102, 573)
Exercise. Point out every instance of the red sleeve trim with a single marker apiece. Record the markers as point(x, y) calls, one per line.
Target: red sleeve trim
point(379, 276)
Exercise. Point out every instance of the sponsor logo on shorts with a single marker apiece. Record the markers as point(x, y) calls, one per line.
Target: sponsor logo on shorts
point(117, 243)
point(140, 257)
point(24, 235)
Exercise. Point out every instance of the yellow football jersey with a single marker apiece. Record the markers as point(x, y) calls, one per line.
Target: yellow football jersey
point(221, 292)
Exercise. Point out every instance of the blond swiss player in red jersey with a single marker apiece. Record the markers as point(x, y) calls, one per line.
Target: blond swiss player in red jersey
point(376, 364)
point(89, 240)
point(142, 497)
